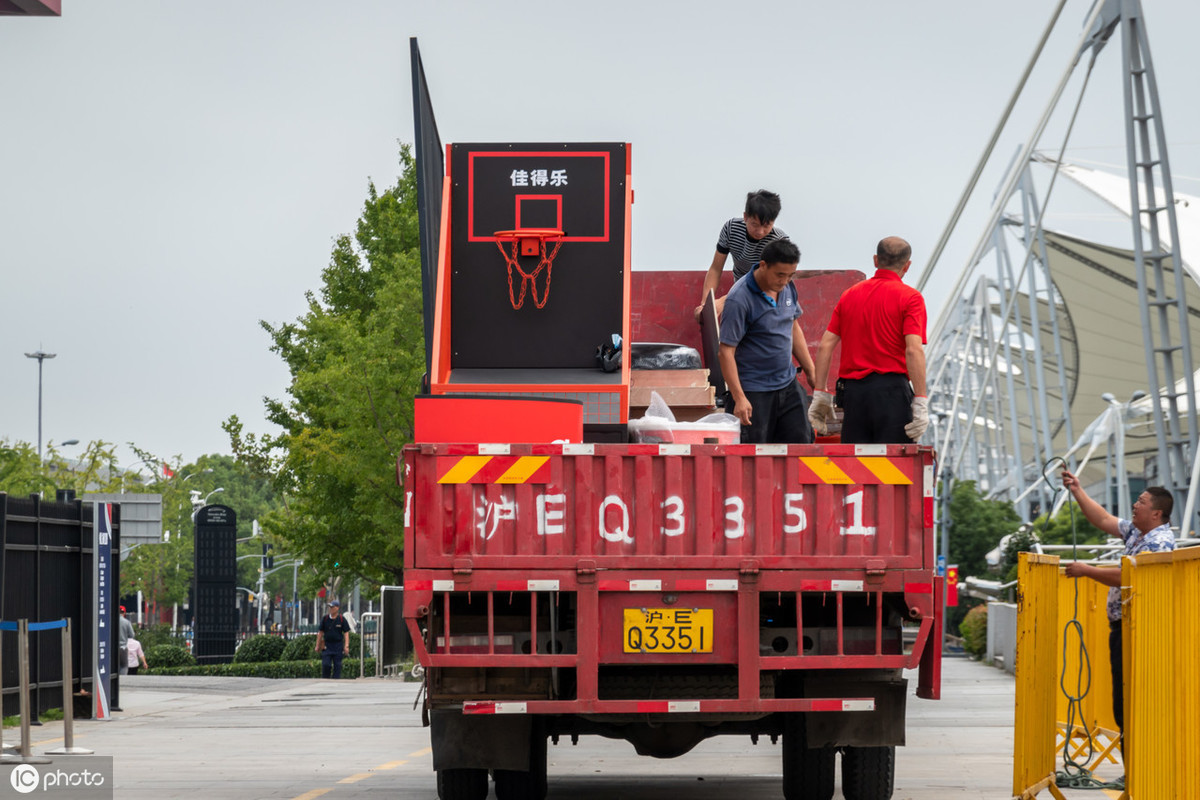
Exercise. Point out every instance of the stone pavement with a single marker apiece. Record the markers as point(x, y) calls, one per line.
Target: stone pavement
point(303, 739)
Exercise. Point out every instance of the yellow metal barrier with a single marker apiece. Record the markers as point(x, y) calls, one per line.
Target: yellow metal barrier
point(1085, 601)
point(1037, 678)
point(1160, 593)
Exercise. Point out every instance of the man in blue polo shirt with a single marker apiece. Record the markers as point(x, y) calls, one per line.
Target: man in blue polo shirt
point(760, 334)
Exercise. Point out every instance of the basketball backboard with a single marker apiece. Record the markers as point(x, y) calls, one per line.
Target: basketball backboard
point(519, 187)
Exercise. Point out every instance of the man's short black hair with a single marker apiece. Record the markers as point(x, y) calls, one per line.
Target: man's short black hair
point(781, 251)
point(893, 252)
point(1161, 500)
point(763, 205)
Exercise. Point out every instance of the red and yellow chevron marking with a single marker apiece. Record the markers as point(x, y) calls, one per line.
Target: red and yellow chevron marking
point(856, 470)
point(493, 469)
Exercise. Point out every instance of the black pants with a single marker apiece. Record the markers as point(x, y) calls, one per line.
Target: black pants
point(331, 661)
point(876, 408)
point(1118, 678)
point(779, 417)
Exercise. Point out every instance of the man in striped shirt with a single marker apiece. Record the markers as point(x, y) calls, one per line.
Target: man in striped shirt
point(744, 239)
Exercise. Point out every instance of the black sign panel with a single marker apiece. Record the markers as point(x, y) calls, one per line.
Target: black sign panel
point(214, 616)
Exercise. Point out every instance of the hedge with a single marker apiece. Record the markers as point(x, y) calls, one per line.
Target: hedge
point(267, 669)
point(259, 648)
point(974, 631)
point(167, 656)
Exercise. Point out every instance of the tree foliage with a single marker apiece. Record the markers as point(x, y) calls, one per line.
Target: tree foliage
point(356, 358)
point(976, 527)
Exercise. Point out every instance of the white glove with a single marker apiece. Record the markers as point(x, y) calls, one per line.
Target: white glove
point(920, 419)
point(820, 412)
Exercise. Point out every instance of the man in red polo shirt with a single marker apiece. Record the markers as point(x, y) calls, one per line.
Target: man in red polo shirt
point(881, 325)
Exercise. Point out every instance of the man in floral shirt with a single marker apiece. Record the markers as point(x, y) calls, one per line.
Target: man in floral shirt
point(1148, 532)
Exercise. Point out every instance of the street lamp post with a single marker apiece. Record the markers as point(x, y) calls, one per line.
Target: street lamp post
point(40, 356)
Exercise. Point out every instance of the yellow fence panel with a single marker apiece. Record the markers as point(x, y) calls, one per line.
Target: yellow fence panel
point(1085, 673)
point(1037, 679)
point(1162, 628)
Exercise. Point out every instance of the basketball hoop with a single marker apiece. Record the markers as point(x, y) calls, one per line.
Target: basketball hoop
point(528, 243)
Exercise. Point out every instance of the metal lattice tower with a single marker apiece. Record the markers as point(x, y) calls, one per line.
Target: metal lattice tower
point(1160, 276)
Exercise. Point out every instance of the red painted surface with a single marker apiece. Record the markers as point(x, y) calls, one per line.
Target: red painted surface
point(630, 507)
point(663, 302)
point(461, 418)
point(31, 8)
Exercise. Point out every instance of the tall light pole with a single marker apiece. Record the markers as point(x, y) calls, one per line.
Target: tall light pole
point(40, 356)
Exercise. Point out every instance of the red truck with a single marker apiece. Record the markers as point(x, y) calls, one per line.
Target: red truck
point(563, 581)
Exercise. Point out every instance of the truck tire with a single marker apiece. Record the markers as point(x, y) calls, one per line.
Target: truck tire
point(868, 772)
point(531, 785)
point(808, 772)
point(462, 784)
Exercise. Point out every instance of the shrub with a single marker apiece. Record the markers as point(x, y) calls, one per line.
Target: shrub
point(300, 648)
point(269, 669)
point(974, 631)
point(169, 655)
point(260, 648)
point(154, 635)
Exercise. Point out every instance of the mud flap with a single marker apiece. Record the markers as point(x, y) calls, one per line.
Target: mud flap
point(883, 726)
point(479, 741)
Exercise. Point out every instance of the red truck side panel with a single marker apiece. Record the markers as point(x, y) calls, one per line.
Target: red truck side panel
point(631, 507)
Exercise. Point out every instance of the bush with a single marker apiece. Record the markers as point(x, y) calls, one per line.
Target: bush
point(974, 631)
point(169, 655)
point(269, 669)
point(300, 648)
point(260, 648)
point(303, 648)
point(154, 635)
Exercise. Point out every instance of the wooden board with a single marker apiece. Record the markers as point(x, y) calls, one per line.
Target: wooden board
point(677, 387)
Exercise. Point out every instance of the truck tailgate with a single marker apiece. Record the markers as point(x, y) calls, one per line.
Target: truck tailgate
point(638, 506)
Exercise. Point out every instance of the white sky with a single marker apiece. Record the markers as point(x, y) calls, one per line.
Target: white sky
point(171, 173)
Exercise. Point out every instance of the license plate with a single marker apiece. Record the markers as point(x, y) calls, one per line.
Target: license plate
point(668, 630)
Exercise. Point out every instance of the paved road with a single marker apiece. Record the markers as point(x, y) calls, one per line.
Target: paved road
point(351, 740)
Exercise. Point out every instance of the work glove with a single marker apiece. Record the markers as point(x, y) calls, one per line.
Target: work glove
point(920, 419)
point(820, 412)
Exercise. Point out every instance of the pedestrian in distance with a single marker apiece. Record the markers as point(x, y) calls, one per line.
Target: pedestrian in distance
point(760, 335)
point(1149, 531)
point(137, 656)
point(333, 641)
point(745, 238)
point(880, 323)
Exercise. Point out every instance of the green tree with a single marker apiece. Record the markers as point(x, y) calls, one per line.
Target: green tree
point(1068, 526)
point(977, 525)
point(356, 359)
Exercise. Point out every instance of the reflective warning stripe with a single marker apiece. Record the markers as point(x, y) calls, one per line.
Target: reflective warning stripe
point(668, 707)
point(437, 586)
point(862, 470)
point(527, 586)
point(493, 469)
point(681, 585)
point(918, 588)
point(831, 586)
point(494, 708)
point(843, 705)
point(928, 499)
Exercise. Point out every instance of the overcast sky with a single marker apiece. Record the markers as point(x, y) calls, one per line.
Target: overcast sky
point(171, 173)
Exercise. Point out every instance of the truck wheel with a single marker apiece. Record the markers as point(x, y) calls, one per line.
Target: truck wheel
point(807, 772)
point(868, 772)
point(462, 784)
point(531, 785)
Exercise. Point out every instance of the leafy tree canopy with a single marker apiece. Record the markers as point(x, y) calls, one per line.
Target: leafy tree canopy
point(976, 527)
point(356, 359)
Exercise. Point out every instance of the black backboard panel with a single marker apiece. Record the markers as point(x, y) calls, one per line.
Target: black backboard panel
point(578, 188)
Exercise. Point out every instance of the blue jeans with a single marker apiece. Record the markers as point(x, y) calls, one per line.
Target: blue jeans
point(332, 660)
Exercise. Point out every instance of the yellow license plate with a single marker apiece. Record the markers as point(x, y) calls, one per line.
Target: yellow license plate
point(668, 630)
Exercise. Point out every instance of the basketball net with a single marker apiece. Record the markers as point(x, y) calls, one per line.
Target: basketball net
point(528, 242)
